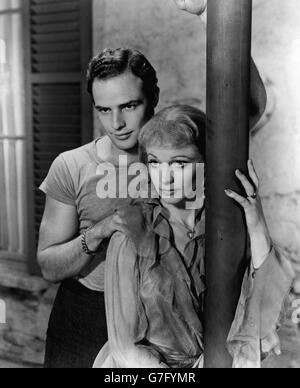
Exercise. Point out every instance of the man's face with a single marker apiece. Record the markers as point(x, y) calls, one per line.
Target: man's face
point(122, 108)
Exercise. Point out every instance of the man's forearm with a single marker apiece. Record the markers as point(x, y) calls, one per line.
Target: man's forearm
point(64, 261)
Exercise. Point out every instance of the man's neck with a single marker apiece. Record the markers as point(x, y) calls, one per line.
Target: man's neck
point(109, 152)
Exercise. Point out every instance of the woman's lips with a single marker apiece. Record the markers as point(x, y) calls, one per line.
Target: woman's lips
point(170, 192)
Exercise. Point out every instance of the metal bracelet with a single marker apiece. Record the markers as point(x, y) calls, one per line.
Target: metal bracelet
point(85, 248)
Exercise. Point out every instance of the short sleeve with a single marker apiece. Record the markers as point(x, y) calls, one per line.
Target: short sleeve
point(58, 183)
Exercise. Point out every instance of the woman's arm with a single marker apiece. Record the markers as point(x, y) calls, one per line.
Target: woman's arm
point(265, 287)
point(253, 335)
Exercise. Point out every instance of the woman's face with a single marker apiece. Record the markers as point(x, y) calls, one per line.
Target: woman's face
point(177, 174)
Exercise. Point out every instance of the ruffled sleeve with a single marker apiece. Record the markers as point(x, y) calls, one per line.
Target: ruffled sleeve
point(121, 301)
point(254, 330)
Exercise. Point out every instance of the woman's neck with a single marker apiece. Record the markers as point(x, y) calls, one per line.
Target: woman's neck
point(181, 215)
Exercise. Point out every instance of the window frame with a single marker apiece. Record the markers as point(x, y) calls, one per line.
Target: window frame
point(9, 259)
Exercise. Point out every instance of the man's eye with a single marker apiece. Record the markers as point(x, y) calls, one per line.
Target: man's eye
point(104, 111)
point(130, 107)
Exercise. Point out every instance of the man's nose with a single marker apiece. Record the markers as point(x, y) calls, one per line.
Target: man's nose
point(118, 121)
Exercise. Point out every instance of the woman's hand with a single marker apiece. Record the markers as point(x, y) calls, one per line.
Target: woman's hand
point(261, 242)
point(196, 7)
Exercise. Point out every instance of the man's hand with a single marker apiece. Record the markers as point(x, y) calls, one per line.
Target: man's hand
point(105, 229)
point(196, 7)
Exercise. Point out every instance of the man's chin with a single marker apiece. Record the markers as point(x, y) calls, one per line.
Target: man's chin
point(125, 145)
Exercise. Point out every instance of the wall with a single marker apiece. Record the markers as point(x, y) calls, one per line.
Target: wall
point(175, 43)
point(25, 309)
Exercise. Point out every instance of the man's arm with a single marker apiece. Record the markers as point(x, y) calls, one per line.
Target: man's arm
point(258, 95)
point(60, 252)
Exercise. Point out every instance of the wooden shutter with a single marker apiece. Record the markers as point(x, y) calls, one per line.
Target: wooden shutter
point(59, 40)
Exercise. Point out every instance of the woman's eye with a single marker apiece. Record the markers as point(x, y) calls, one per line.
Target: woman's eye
point(153, 164)
point(179, 164)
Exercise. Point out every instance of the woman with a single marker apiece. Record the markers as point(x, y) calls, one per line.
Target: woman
point(155, 275)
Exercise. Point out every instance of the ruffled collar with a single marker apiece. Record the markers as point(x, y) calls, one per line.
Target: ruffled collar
point(161, 221)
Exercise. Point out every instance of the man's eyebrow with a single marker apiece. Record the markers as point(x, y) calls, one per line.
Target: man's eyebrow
point(98, 107)
point(138, 102)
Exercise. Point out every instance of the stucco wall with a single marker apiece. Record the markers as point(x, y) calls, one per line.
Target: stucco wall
point(175, 43)
point(24, 313)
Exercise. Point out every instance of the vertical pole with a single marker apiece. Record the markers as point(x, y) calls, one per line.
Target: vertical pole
point(228, 85)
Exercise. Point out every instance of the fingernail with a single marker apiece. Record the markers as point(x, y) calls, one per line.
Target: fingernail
point(227, 191)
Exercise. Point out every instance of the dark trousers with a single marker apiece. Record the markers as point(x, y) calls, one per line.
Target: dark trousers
point(77, 327)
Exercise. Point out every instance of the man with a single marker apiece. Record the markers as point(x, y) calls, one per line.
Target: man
point(77, 224)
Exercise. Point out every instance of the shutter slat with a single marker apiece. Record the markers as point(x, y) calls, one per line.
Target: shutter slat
point(58, 110)
point(55, 138)
point(54, 100)
point(55, 27)
point(56, 37)
point(53, 90)
point(54, 120)
point(56, 129)
point(54, 18)
point(34, 2)
point(56, 67)
point(55, 7)
point(57, 57)
point(55, 47)
point(53, 148)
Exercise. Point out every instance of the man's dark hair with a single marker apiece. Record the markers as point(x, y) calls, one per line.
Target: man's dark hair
point(111, 63)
